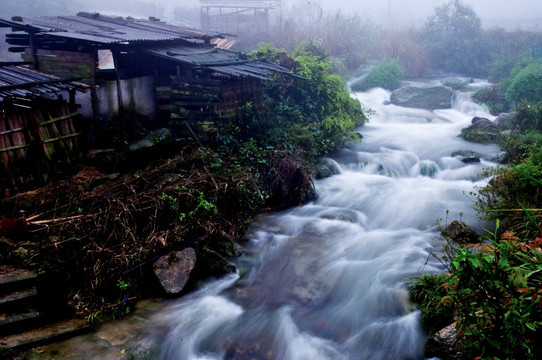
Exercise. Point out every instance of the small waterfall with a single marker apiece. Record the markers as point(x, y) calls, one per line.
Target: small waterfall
point(462, 102)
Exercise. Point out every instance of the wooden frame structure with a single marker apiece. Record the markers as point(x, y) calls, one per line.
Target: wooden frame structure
point(240, 16)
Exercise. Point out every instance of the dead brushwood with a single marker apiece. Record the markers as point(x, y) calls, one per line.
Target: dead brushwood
point(105, 229)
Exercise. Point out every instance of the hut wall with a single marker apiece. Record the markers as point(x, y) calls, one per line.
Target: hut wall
point(138, 97)
point(34, 141)
point(64, 64)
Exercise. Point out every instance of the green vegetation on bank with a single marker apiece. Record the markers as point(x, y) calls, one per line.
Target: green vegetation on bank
point(386, 74)
point(313, 112)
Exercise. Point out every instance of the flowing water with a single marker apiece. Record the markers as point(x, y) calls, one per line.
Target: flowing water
point(328, 280)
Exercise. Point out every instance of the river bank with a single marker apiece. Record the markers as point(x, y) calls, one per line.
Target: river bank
point(327, 280)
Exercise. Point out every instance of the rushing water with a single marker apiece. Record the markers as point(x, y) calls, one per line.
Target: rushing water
point(327, 280)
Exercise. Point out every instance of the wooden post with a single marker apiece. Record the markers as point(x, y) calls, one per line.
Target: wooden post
point(35, 63)
point(94, 92)
point(116, 54)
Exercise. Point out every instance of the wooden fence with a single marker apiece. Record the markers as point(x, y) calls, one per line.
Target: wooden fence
point(36, 139)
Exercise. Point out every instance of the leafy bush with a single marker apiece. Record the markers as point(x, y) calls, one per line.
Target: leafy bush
point(518, 144)
point(431, 291)
point(386, 74)
point(493, 98)
point(511, 188)
point(315, 114)
point(494, 292)
point(477, 136)
point(495, 288)
point(529, 115)
point(526, 84)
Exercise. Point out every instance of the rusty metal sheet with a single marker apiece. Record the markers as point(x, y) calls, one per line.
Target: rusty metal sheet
point(19, 81)
point(107, 30)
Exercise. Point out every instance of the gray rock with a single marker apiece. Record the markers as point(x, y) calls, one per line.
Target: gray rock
point(434, 97)
point(443, 344)
point(502, 158)
point(173, 270)
point(357, 85)
point(460, 232)
point(481, 130)
point(229, 247)
point(504, 121)
point(214, 264)
point(466, 156)
point(483, 124)
point(157, 137)
point(326, 168)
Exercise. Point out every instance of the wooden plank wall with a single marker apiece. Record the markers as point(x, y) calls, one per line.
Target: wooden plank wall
point(207, 102)
point(36, 140)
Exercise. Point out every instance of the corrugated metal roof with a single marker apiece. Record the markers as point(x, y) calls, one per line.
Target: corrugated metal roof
point(19, 81)
point(102, 29)
point(219, 60)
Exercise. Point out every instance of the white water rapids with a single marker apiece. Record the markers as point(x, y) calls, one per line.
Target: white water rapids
point(327, 280)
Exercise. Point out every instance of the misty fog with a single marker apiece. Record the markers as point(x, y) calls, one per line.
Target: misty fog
point(511, 15)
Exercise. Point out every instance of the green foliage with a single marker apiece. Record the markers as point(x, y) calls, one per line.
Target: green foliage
point(315, 114)
point(525, 83)
point(453, 39)
point(456, 85)
point(512, 188)
point(529, 115)
point(386, 74)
point(431, 292)
point(518, 144)
point(477, 136)
point(493, 98)
point(495, 288)
point(493, 292)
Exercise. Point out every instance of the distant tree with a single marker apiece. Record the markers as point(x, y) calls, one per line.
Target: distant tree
point(453, 39)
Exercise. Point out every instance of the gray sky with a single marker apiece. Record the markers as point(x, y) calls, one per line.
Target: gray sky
point(413, 12)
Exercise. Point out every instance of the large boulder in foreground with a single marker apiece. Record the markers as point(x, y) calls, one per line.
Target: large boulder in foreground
point(444, 344)
point(430, 98)
point(173, 270)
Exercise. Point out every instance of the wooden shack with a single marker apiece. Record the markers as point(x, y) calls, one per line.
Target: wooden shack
point(37, 128)
point(158, 74)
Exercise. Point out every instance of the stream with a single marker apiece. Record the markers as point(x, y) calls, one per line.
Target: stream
point(329, 280)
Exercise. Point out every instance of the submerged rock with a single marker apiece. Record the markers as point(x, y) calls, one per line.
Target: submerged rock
point(326, 168)
point(504, 121)
point(431, 98)
point(460, 232)
point(467, 156)
point(173, 270)
point(481, 130)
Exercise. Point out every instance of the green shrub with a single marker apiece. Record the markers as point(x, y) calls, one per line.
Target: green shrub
point(386, 74)
point(477, 136)
point(493, 293)
point(529, 115)
point(511, 188)
point(494, 287)
point(518, 144)
point(315, 114)
point(493, 98)
point(526, 84)
point(431, 291)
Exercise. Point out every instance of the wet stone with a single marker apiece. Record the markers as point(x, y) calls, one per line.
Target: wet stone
point(173, 270)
